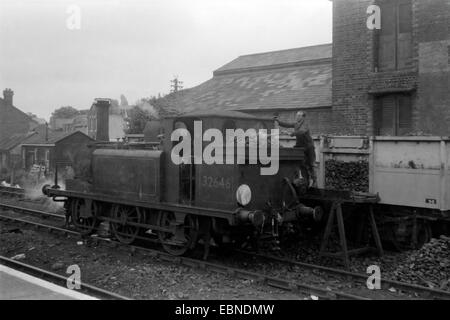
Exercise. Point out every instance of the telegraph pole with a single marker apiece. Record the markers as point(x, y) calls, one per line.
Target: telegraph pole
point(176, 84)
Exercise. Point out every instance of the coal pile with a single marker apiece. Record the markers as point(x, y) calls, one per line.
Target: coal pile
point(429, 266)
point(351, 176)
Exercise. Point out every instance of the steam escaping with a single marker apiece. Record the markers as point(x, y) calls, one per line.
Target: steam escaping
point(146, 106)
point(34, 193)
point(6, 184)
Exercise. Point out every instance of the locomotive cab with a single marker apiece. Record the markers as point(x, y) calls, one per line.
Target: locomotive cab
point(229, 183)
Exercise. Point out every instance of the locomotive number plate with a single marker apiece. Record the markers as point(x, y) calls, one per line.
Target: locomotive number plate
point(216, 182)
point(431, 201)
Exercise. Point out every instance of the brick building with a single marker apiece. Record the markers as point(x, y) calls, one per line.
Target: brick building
point(11, 152)
point(49, 148)
point(12, 120)
point(395, 80)
point(116, 120)
point(391, 81)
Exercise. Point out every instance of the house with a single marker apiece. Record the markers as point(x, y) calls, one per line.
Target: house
point(55, 148)
point(116, 120)
point(60, 124)
point(12, 120)
point(11, 153)
point(79, 123)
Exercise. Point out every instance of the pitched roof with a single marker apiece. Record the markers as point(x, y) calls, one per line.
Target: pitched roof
point(52, 138)
point(14, 140)
point(218, 114)
point(287, 79)
point(41, 139)
point(23, 113)
point(278, 58)
point(58, 138)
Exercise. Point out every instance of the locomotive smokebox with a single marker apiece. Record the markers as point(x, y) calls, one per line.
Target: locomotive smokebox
point(102, 116)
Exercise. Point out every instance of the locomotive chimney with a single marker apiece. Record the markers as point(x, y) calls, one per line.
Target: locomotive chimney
point(102, 110)
point(8, 96)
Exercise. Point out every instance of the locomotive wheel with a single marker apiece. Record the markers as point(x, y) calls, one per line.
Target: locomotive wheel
point(125, 233)
point(181, 242)
point(84, 224)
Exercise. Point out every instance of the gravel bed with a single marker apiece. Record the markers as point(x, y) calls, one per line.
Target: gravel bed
point(430, 265)
point(134, 276)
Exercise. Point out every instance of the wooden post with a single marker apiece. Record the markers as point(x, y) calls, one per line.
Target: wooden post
point(376, 235)
point(328, 228)
point(343, 240)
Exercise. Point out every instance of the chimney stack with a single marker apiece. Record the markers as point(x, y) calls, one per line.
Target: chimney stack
point(102, 110)
point(8, 96)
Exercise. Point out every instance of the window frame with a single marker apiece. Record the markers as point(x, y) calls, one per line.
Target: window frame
point(397, 23)
point(395, 123)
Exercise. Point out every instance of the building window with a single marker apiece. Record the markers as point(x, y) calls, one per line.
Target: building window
point(393, 115)
point(395, 36)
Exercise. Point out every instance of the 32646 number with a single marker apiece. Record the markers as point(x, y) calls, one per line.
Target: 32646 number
point(216, 182)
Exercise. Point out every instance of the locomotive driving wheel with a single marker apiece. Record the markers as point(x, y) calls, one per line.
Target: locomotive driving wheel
point(184, 236)
point(123, 231)
point(84, 215)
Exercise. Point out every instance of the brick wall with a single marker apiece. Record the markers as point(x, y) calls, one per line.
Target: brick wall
point(356, 83)
point(433, 33)
point(351, 65)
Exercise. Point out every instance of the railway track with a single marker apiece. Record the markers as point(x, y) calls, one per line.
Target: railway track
point(59, 280)
point(360, 277)
point(280, 283)
point(12, 192)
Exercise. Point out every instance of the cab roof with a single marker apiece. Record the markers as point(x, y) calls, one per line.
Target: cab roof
point(220, 114)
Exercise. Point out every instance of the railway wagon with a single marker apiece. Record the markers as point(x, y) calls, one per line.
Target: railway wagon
point(139, 190)
point(410, 174)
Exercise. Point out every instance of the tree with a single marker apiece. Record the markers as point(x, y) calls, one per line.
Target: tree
point(147, 109)
point(123, 101)
point(164, 105)
point(65, 112)
point(137, 119)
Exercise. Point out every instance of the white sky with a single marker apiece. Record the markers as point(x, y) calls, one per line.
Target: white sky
point(136, 47)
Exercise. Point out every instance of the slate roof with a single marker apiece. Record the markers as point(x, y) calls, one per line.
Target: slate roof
point(2, 101)
point(218, 114)
point(53, 137)
point(274, 58)
point(287, 79)
point(11, 142)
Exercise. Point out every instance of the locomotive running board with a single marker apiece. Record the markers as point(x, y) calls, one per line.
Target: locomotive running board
point(217, 213)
